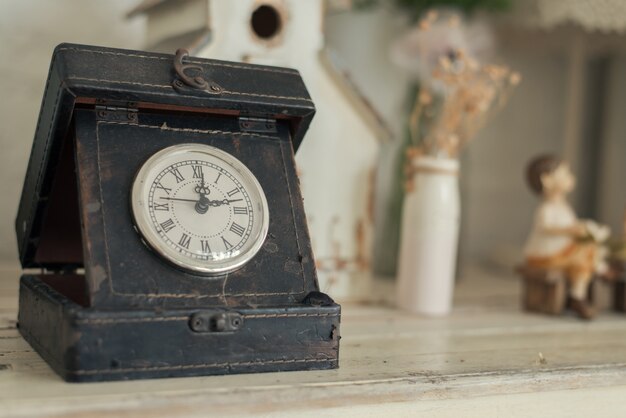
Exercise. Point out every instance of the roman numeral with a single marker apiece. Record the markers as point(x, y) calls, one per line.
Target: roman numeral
point(219, 174)
point(205, 246)
point(237, 229)
point(233, 192)
point(184, 241)
point(168, 225)
point(197, 171)
point(176, 173)
point(160, 186)
point(161, 206)
point(239, 210)
point(227, 244)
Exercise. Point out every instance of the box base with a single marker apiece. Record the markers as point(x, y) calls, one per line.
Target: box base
point(619, 295)
point(82, 344)
point(619, 286)
point(546, 291)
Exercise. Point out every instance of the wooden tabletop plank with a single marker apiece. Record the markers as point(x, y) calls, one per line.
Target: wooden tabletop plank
point(487, 347)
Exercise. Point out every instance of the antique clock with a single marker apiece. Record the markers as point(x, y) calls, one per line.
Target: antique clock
point(161, 225)
point(171, 199)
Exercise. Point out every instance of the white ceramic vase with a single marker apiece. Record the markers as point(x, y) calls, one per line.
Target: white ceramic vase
point(429, 238)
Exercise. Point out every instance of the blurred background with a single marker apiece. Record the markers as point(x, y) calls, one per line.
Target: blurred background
point(571, 101)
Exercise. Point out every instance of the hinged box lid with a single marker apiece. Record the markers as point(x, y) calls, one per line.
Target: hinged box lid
point(120, 83)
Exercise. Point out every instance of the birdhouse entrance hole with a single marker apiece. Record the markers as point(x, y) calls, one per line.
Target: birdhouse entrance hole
point(266, 22)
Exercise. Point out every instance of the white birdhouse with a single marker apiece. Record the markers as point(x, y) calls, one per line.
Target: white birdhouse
point(337, 160)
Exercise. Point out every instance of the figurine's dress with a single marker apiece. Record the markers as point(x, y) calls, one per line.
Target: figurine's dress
point(553, 251)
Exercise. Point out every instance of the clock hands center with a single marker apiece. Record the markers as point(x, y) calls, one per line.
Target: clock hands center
point(202, 205)
point(205, 201)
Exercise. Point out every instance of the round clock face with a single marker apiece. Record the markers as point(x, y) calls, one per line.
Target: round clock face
point(200, 208)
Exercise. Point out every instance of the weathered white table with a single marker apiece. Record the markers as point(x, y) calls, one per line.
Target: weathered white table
point(487, 359)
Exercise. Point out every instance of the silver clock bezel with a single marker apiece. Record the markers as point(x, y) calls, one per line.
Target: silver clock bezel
point(146, 230)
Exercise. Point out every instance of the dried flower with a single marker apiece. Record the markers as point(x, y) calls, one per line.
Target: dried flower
point(440, 33)
point(458, 95)
point(425, 98)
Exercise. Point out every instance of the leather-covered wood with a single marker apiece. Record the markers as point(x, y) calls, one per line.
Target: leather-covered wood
point(132, 314)
point(82, 75)
point(86, 345)
point(122, 271)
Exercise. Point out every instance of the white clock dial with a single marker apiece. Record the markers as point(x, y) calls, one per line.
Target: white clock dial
point(200, 208)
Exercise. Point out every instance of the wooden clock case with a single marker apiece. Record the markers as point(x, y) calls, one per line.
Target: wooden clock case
point(95, 302)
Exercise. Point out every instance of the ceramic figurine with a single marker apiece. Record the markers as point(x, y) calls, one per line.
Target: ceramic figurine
point(618, 269)
point(560, 243)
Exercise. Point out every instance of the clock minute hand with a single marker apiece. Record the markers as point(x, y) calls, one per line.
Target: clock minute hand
point(178, 199)
point(202, 185)
point(209, 202)
point(201, 189)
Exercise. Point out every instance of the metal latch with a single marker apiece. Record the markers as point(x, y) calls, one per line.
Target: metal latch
point(190, 76)
point(216, 321)
point(255, 124)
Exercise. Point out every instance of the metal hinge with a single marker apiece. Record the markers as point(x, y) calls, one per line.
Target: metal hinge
point(256, 124)
point(115, 112)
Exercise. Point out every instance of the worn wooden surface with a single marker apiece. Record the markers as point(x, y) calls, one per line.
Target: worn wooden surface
point(487, 359)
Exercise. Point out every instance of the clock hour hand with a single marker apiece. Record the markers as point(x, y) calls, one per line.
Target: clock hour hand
point(203, 204)
point(223, 202)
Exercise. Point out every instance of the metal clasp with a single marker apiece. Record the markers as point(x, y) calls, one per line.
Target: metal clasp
point(190, 75)
point(215, 321)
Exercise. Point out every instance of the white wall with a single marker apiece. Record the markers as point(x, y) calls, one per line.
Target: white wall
point(498, 205)
point(613, 158)
point(29, 31)
point(360, 42)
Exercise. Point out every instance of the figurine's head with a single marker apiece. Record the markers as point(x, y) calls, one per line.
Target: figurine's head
point(550, 176)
